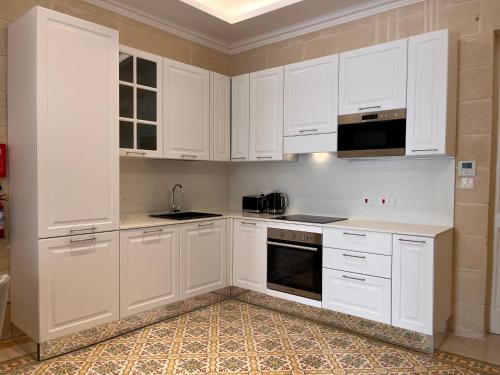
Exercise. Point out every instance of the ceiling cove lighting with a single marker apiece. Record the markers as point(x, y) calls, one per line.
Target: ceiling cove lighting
point(233, 11)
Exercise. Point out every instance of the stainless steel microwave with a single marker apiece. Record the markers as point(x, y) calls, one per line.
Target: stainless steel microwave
point(371, 134)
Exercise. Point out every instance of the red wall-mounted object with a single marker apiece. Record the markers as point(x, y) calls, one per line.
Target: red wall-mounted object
point(3, 160)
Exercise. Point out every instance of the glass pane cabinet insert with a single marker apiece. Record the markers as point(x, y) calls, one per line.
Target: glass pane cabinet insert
point(140, 104)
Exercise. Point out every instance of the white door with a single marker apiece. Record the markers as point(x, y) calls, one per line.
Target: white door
point(266, 114)
point(141, 88)
point(373, 78)
point(311, 96)
point(250, 255)
point(412, 283)
point(186, 111)
point(220, 117)
point(149, 268)
point(240, 117)
point(427, 110)
point(78, 283)
point(77, 111)
point(359, 295)
point(203, 257)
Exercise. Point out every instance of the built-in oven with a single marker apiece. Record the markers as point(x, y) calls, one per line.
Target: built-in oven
point(370, 134)
point(294, 262)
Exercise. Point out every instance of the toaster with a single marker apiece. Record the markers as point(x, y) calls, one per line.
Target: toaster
point(253, 203)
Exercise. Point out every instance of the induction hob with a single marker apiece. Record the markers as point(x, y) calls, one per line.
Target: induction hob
point(311, 218)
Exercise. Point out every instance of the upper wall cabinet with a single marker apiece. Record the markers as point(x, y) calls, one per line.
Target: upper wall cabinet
point(432, 94)
point(240, 117)
point(220, 117)
point(140, 103)
point(266, 115)
point(186, 108)
point(373, 78)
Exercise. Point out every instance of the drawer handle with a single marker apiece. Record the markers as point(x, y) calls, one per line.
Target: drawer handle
point(136, 153)
point(290, 246)
point(152, 231)
point(239, 158)
point(247, 223)
point(308, 130)
point(264, 157)
point(425, 149)
point(82, 230)
point(83, 240)
point(354, 256)
point(189, 156)
point(205, 225)
point(354, 234)
point(353, 278)
point(372, 107)
point(413, 241)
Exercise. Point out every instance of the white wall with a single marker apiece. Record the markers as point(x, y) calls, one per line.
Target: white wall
point(145, 184)
point(423, 188)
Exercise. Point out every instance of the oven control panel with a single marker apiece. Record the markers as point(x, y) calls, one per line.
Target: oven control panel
point(294, 236)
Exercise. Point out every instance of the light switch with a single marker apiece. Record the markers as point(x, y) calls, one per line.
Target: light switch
point(467, 183)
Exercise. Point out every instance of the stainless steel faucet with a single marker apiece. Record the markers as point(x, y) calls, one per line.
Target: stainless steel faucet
point(176, 207)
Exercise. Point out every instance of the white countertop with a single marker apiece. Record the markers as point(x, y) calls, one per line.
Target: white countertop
point(142, 220)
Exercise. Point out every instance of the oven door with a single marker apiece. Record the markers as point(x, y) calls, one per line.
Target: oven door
point(294, 268)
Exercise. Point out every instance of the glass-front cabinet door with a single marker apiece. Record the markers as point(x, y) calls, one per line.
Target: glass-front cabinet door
point(140, 104)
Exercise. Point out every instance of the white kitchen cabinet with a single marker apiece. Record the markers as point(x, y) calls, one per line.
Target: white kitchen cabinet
point(359, 295)
point(250, 254)
point(240, 117)
point(203, 257)
point(311, 97)
point(78, 283)
point(266, 115)
point(373, 78)
point(149, 268)
point(141, 88)
point(220, 117)
point(432, 94)
point(413, 274)
point(186, 111)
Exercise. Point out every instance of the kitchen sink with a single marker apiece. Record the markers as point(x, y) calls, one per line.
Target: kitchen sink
point(185, 215)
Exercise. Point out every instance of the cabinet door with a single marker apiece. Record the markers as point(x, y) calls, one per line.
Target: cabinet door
point(373, 78)
point(141, 86)
point(427, 112)
point(78, 283)
point(266, 115)
point(311, 96)
point(186, 109)
point(220, 122)
point(359, 295)
point(77, 133)
point(250, 255)
point(240, 117)
point(412, 283)
point(203, 257)
point(149, 268)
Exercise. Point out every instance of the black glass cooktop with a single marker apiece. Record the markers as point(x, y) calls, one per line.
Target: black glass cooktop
point(311, 218)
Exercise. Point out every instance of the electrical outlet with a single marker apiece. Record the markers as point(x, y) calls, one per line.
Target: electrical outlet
point(368, 201)
point(386, 201)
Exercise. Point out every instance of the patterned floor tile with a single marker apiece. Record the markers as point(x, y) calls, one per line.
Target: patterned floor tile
point(233, 364)
point(274, 363)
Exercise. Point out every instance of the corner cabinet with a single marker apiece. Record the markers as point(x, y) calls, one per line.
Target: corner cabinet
point(240, 117)
point(432, 94)
point(141, 127)
point(220, 117)
point(149, 268)
point(203, 257)
point(373, 78)
point(266, 115)
point(186, 108)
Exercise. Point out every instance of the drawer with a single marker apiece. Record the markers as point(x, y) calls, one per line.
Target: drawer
point(363, 296)
point(368, 242)
point(353, 261)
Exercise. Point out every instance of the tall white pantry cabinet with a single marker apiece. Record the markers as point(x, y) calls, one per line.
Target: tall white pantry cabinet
point(63, 138)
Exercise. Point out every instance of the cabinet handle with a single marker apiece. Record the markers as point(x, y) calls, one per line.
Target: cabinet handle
point(353, 278)
point(264, 157)
point(189, 156)
point(152, 231)
point(135, 153)
point(372, 107)
point(82, 230)
point(308, 130)
point(354, 234)
point(247, 223)
point(83, 240)
point(413, 241)
point(354, 256)
point(205, 225)
point(282, 244)
point(425, 149)
point(239, 158)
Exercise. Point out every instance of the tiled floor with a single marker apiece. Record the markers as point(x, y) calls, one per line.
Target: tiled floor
point(487, 350)
point(237, 338)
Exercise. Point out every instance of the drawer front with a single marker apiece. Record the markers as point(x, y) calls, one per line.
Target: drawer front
point(363, 296)
point(368, 242)
point(353, 261)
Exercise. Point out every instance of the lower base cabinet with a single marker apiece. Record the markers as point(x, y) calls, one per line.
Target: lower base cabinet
point(359, 295)
point(149, 268)
point(78, 280)
point(203, 257)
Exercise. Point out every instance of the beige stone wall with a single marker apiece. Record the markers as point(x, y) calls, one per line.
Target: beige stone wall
point(474, 22)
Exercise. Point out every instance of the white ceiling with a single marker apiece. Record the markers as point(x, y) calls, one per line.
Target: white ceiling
point(288, 20)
